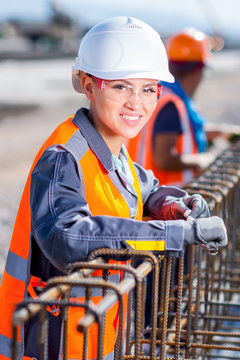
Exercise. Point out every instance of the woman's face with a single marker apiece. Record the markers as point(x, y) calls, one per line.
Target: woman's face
point(121, 108)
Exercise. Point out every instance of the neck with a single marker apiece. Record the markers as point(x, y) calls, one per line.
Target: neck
point(114, 143)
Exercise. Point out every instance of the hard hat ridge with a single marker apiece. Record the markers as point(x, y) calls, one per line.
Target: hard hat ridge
point(131, 25)
point(122, 47)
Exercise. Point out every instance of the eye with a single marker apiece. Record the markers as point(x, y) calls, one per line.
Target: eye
point(120, 87)
point(150, 90)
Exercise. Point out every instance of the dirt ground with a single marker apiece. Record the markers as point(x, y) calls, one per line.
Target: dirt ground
point(36, 96)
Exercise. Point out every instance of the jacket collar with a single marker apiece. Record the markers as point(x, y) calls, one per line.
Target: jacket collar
point(94, 139)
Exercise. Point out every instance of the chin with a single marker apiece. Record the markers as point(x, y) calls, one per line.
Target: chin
point(131, 135)
point(132, 132)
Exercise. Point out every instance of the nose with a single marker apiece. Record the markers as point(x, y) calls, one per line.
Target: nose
point(134, 101)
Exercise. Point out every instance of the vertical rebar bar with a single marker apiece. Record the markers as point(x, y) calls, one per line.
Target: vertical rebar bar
point(169, 261)
point(189, 305)
point(155, 290)
point(199, 258)
point(179, 307)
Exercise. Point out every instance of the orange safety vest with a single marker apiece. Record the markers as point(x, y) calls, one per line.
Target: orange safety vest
point(140, 148)
point(16, 276)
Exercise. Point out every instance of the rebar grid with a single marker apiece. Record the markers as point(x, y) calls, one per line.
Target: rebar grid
point(196, 308)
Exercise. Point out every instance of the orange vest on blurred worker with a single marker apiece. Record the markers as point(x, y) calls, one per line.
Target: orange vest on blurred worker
point(140, 148)
point(16, 275)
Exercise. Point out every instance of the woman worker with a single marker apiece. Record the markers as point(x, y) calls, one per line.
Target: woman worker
point(85, 193)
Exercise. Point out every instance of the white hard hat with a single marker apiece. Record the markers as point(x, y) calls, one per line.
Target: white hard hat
point(122, 47)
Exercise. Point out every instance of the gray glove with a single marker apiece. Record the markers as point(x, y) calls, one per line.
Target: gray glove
point(193, 205)
point(209, 232)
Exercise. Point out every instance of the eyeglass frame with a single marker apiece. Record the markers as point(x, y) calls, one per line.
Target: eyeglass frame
point(101, 83)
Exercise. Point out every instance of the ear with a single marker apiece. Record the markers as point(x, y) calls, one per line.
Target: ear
point(87, 85)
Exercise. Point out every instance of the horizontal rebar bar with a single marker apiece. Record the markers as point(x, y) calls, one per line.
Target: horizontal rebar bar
point(24, 314)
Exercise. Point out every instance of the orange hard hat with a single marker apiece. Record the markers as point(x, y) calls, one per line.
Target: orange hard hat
point(189, 45)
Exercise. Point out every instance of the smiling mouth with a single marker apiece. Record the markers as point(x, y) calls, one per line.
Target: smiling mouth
point(131, 119)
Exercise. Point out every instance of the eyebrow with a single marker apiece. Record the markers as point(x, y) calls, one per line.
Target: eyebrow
point(130, 83)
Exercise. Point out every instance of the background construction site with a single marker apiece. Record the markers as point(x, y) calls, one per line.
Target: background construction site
point(36, 92)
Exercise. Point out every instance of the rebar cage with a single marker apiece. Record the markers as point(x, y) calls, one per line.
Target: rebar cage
point(184, 306)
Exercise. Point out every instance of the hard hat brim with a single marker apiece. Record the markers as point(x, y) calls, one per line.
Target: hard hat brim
point(76, 82)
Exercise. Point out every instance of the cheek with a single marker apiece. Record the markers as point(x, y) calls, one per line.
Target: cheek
point(149, 110)
point(106, 112)
point(106, 105)
point(100, 107)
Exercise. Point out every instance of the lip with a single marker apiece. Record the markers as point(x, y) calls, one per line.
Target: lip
point(131, 119)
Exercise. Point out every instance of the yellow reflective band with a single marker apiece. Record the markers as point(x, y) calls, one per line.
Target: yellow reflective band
point(158, 245)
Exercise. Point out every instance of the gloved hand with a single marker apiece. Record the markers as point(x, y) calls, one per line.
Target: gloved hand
point(193, 205)
point(209, 232)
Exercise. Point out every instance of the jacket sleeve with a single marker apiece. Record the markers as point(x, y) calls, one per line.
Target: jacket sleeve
point(156, 200)
point(63, 226)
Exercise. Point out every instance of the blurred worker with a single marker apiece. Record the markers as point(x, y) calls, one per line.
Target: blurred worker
point(175, 134)
point(85, 193)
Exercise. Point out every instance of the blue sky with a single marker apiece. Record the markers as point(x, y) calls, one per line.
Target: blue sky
point(166, 16)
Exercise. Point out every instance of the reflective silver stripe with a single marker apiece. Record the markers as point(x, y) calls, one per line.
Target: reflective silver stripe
point(6, 346)
point(109, 356)
point(16, 266)
point(77, 145)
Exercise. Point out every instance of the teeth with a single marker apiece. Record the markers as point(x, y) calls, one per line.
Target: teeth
point(130, 117)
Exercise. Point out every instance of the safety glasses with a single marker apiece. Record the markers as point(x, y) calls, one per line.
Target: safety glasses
point(119, 90)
